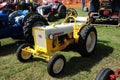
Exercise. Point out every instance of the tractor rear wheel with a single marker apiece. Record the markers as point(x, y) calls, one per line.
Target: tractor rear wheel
point(104, 74)
point(22, 55)
point(56, 65)
point(87, 40)
point(27, 16)
point(34, 20)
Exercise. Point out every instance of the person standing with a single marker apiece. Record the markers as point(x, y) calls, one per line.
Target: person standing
point(83, 4)
point(94, 5)
point(116, 5)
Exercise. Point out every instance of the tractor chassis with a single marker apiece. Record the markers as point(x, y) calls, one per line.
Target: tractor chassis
point(37, 54)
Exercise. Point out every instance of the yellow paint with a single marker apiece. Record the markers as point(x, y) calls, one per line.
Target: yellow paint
point(54, 45)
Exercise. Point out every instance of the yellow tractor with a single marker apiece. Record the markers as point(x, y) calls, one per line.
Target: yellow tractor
point(54, 38)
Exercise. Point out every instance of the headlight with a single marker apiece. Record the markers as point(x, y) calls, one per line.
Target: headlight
point(51, 36)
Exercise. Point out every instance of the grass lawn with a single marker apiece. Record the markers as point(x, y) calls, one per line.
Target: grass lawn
point(107, 54)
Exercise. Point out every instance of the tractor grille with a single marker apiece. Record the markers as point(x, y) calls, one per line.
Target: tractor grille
point(39, 37)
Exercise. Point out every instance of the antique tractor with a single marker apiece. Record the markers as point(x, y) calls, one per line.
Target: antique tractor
point(12, 24)
point(54, 38)
point(51, 11)
point(107, 11)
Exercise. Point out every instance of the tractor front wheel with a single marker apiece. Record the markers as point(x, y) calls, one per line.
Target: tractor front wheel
point(56, 65)
point(22, 54)
point(104, 74)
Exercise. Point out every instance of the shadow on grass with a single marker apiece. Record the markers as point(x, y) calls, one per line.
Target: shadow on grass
point(9, 48)
point(77, 64)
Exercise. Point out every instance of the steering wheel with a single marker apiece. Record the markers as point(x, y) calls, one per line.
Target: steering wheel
point(70, 19)
point(72, 12)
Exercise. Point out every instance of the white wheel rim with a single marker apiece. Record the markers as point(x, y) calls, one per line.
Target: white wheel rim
point(90, 42)
point(25, 55)
point(58, 66)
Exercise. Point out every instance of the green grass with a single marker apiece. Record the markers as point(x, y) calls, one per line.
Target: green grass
point(107, 54)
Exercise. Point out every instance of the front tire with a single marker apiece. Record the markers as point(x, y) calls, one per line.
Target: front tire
point(104, 74)
point(22, 55)
point(87, 40)
point(56, 65)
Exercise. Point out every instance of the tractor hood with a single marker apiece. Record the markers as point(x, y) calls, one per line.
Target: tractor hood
point(56, 30)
